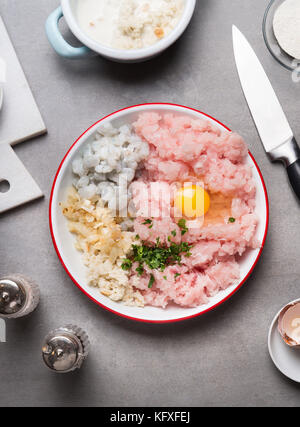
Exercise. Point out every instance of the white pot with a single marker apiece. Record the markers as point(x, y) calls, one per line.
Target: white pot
point(90, 46)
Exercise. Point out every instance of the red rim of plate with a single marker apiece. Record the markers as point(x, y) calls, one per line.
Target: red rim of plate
point(147, 320)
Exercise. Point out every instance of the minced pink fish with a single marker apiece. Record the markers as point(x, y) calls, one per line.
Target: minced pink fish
point(184, 149)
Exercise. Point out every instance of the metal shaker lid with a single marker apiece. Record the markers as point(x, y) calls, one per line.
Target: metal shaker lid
point(12, 297)
point(62, 351)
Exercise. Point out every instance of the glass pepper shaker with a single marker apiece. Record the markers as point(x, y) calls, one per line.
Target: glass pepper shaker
point(65, 349)
point(19, 296)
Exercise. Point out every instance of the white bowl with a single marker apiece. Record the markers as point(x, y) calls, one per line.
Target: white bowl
point(285, 358)
point(71, 258)
point(68, 8)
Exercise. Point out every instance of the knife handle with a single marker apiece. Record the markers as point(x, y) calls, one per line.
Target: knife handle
point(289, 154)
point(293, 171)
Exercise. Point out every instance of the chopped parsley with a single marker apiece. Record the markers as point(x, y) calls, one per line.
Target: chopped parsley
point(148, 222)
point(137, 237)
point(231, 219)
point(182, 225)
point(151, 281)
point(158, 256)
point(127, 264)
point(177, 275)
point(140, 270)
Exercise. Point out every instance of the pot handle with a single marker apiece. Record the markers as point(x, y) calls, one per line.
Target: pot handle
point(57, 41)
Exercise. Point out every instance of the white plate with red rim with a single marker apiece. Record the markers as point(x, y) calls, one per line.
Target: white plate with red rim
point(285, 358)
point(71, 258)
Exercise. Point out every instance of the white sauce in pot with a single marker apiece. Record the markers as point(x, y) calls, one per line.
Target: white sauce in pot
point(128, 24)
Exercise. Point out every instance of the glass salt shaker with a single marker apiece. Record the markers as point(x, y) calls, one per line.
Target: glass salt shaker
point(19, 296)
point(65, 349)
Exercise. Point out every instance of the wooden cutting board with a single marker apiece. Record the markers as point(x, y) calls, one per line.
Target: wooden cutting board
point(20, 120)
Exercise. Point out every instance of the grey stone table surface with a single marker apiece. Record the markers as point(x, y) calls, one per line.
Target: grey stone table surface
point(220, 359)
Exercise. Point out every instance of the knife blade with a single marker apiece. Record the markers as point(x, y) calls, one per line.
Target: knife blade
point(271, 122)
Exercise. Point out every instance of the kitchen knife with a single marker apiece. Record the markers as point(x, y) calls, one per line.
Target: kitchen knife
point(272, 125)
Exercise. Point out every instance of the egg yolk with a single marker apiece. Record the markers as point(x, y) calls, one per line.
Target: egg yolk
point(192, 201)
